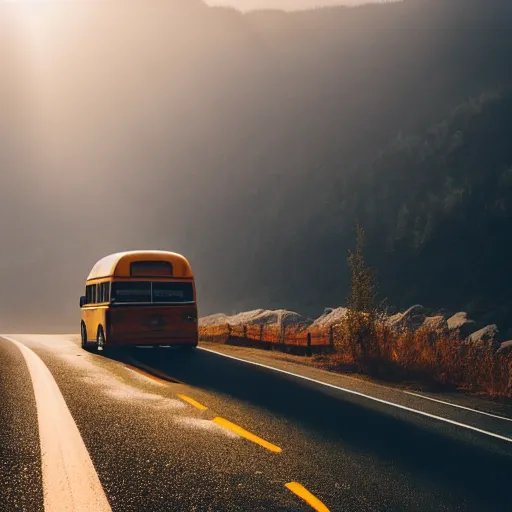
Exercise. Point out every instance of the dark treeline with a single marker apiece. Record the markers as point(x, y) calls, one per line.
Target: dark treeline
point(439, 209)
point(253, 143)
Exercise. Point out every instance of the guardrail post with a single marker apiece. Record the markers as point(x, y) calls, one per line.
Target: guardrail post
point(245, 331)
point(308, 351)
point(229, 333)
point(261, 332)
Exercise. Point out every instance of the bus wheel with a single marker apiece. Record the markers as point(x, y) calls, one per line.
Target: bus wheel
point(100, 339)
point(83, 332)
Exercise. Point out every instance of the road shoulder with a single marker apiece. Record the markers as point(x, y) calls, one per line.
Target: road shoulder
point(401, 394)
point(20, 454)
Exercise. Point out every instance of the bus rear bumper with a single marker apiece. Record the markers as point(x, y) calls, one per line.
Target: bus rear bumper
point(133, 341)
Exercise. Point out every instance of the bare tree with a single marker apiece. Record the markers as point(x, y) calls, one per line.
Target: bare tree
point(362, 312)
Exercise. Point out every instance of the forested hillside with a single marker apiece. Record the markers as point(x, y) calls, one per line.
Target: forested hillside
point(438, 210)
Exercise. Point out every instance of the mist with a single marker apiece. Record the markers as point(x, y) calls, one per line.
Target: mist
point(177, 126)
point(289, 5)
point(112, 117)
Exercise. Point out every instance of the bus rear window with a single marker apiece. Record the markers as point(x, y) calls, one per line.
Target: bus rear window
point(173, 292)
point(151, 269)
point(140, 291)
point(131, 292)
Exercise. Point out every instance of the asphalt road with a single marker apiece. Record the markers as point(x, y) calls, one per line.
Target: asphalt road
point(160, 430)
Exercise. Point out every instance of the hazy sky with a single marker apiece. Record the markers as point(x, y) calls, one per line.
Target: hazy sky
point(288, 5)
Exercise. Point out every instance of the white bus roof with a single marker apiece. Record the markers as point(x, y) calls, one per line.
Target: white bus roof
point(119, 263)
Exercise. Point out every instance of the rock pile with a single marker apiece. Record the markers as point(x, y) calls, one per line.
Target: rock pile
point(414, 318)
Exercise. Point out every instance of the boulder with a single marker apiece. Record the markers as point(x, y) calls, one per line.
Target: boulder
point(253, 316)
point(489, 335)
point(216, 319)
point(324, 315)
point(436, 324)
point(412, 319)
point(393, 319)
point(462, 324)
point(505, 348)
point(280, 317)
point(287, 318)
point(330, 317)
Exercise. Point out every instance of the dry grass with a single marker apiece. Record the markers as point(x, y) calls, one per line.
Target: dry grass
point(372, 347)
point(444, 359)
point(449, 360)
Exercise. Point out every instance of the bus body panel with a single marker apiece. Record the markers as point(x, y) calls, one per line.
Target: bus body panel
point(152, 325)
point(93, 317)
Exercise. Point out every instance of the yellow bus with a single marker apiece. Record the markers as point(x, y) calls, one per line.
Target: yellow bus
point(139, 298)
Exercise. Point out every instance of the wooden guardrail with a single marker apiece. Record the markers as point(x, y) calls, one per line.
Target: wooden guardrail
point(272, 337)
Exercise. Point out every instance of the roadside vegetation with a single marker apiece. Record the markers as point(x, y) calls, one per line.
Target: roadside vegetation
point(423, 356)
point(367, 342)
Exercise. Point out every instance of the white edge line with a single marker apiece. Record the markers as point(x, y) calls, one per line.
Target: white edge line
point(357, 393)
point(69, 479)
point(458, 406)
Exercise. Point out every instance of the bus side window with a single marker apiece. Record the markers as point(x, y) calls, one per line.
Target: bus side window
point(106, 292)
point(103, 292)
point(88, 294)
point(91, 294)
point(97, 293)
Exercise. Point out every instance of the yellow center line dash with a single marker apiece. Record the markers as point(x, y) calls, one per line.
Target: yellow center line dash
point(303, 493)
point(248, 435)
point(193, 402)
point(148, 370)
point(146, 374)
